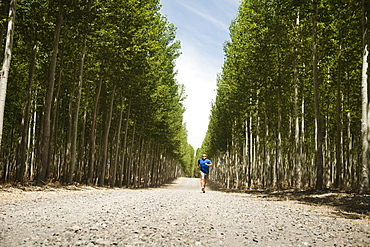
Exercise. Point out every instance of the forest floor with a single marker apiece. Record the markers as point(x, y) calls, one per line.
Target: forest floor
point(178, 214)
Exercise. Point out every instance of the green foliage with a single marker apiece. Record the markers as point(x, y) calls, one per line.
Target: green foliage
point(130, 47)
point(268, 57)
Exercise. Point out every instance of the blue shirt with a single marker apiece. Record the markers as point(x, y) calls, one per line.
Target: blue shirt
point(202, 164)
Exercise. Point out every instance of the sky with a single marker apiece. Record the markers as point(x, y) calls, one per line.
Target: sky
point(203, 28)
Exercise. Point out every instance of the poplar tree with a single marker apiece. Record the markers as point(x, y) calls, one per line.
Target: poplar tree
point(6, 63)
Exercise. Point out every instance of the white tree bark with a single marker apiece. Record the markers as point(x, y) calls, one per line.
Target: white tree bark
point(6, 64)
point(365, 107)
point(364, 125)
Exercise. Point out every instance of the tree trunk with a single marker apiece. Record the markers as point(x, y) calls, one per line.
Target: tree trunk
point(139, 165)
point(250, 151)
point(147, 164)
point(153, 164)
point(4, 73)
point(90, 174)
point(22, 144)
point(116, 153)
point(130, 163)
point(339, 164)
point(44, 151)
point(278, 165)
point(81, 170)
point(104, 156)
point(73, 160)
point(124, 151)
point(67, 159)
point(297, 149)
point(32, 142)
point(54, 120)
point(268, 165)
point(302, 137)
point(319, 155)
point(364, 187)
point(297, 155)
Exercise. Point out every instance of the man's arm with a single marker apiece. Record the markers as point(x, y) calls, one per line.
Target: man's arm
point(210, 163)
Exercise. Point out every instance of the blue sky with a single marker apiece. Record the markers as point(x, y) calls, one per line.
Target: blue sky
point(202, 28)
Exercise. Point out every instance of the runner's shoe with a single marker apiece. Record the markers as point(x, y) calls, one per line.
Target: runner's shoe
point(203, 190)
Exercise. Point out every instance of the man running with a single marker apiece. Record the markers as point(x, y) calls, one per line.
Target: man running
point(203, 165)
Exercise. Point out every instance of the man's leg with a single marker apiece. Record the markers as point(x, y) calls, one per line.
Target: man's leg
point(202, 183)
point(202, 180)
point(205, 180)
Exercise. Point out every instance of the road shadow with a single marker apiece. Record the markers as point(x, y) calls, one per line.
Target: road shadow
point(345, 204)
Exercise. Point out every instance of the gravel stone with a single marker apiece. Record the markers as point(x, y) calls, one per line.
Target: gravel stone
point(178, 215)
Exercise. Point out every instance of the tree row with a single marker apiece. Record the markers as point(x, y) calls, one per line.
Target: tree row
point(92, 96)
point(292, 103)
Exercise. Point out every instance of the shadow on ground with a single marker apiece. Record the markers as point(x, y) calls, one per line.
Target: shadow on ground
point(345, 204)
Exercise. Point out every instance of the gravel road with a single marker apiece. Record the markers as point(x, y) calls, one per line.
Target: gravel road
point(177, 215)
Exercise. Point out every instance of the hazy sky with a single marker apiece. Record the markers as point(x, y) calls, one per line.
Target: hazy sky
point(202, 28)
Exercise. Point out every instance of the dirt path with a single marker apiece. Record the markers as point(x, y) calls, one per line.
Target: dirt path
point(187, 184)
point(178, 215)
